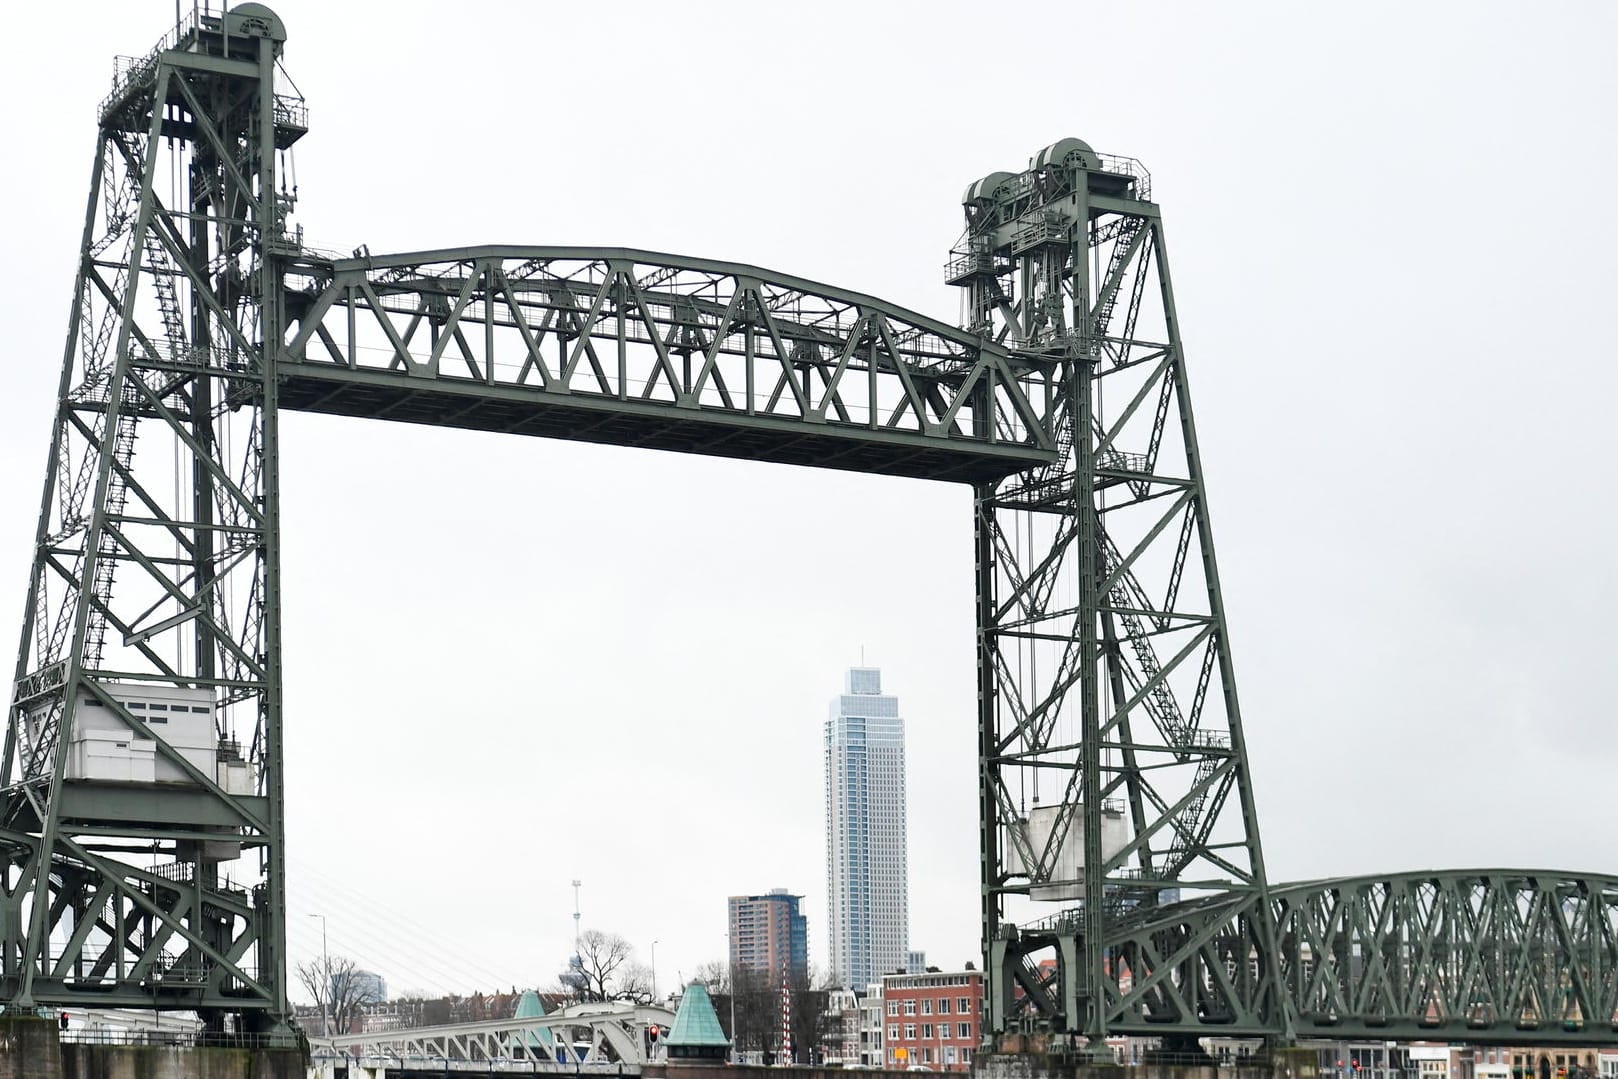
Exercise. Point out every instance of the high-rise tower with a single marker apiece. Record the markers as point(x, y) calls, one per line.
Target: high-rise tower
point(769, 932)
point(867, 885)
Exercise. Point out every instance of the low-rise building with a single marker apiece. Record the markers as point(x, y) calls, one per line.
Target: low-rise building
point(871, 1023)
point(933, 1019)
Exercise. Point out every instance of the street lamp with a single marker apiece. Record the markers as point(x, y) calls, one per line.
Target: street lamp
point(730, 967)
point(654, 972)
point(325, 973)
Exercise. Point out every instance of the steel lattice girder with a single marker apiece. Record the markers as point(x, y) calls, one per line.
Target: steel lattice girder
point(1114, 776)
point(1499, 956)
point(151, 580)
point(616, 1034)
point(636, 348)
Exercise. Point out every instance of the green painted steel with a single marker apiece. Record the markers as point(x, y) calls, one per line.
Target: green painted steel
point(151, 637)
point(1123, 882)
point(633, 347)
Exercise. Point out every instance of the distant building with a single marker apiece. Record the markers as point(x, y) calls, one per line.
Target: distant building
point(840, 1044)
point(769, 933)
point(915, 962)
point(368, 986)
point(934, 1020)
point(867, 884)
point(871, 1024)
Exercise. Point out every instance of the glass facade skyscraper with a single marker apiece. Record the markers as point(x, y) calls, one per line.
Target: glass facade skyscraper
point(867, 885)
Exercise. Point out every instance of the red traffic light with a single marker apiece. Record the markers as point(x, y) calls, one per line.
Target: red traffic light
point(654, 1030)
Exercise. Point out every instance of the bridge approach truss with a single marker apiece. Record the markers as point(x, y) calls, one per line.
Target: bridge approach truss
point(1123, 881)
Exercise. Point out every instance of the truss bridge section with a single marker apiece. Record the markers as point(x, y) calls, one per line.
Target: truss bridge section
point(609, 1038)
point(642, 349)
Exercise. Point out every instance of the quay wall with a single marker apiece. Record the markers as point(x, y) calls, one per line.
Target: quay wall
point(31, 1048)
point(1280, 1064)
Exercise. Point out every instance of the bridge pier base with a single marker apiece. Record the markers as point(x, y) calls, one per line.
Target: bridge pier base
point(1275, 1064)
point(31, 1048)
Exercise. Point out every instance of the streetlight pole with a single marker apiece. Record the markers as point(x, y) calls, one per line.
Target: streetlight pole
point(325, 974)
point(654, 972)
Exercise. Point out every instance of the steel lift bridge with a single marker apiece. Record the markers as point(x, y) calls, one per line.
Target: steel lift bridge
point(1123, 885)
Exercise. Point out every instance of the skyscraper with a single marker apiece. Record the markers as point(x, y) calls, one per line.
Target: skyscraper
point(767, 933)
point(867, 886)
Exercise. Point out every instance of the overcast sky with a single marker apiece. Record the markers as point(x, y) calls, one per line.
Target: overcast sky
point(512, 663)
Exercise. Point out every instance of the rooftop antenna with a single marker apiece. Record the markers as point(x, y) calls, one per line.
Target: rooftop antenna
point(575, 979)
point(576, 948)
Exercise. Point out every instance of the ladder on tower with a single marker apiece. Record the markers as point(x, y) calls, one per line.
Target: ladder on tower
point(123, 454)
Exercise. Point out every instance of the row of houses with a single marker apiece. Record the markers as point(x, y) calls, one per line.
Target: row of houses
point(932, 1019)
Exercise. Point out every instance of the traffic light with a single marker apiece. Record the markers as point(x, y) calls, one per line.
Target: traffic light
point(653, 1031)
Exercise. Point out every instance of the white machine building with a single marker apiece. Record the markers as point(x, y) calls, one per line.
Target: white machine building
point(102, 748)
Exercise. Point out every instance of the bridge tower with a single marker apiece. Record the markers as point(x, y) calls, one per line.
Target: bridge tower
point(141, 846)
point(1114, 783)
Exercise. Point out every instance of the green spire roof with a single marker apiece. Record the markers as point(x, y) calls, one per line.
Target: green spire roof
point(529, 1006)
point(696, 1023)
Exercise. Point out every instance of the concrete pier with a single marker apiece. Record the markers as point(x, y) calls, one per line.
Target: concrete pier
point(31, 1048)
point(1276, 1064)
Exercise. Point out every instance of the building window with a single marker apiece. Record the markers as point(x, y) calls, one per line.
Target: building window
point(910, 1032)
point(927, 1032)
point(927, 1006)
point(963, 1031)
point(893, 1007)
point(964, 1005)
point(893, 1032)
point(943, 1005)
point(910, 1007)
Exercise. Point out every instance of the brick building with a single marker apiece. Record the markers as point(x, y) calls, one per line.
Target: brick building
point(934, 1019)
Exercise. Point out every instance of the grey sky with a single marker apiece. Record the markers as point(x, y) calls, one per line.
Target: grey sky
point(512, 663)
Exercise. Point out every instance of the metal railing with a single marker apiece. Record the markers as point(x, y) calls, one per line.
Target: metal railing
point(183, 1039)
point(1131, 167)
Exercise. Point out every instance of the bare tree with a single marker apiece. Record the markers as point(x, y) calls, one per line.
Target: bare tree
point(634, 982)
point(605, 964)
point(715, 975)
point(340, 988)
point(813, 1025)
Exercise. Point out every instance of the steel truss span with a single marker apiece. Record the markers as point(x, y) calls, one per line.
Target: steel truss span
point(604, 1038)
point(1123, 879)
point(1503, 956)
point(642, 349)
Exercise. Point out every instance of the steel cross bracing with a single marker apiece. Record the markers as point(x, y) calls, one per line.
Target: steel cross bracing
point(1124, 890)
point(583, 1037)
point(1113, 777)
point(1493, 956)
point(140, 823)
point(635, 348)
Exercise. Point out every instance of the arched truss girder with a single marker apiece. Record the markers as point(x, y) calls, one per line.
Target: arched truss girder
point(1518, 956)
point(631, 347)
point(581, 1037)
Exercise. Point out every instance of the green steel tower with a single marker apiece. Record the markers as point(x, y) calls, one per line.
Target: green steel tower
point(1113, 775)
point(143, 864)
